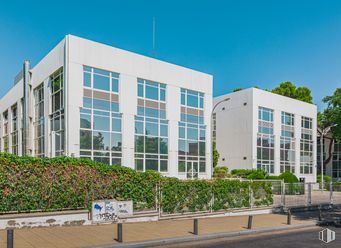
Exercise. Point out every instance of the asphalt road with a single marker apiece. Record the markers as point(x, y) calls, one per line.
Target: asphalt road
point(301, 238)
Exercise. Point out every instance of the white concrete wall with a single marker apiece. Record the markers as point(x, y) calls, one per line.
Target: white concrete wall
point(234, 130)
point(237, 127)
point(131, 66)
point(74, 52)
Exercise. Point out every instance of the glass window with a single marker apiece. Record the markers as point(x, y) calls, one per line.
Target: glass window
point(152, 93)
point(192, 133)
point(85, 139)
point(116, 125)
point(162, 95)
point(85, 121)
point(87, 79)
point(114, 107)
point(182, 132)
point(101, 104)
point(163, 145)
point(116, 142)
point(139, 144)
point(101, 123)
point(163, 165)
point(139, 127)
point(164, 130)
point(182, 166)
point(101, 82)
point(152, 129)
point(87, 102)
point(139, 164)
point(140, 90)
point(114, 84)
point(101, 141)
point(151, 165)
point(192, 101)
point(151, 145)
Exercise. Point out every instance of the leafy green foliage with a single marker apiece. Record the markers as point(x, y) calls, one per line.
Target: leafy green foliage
point(332, 114)
point(215, 154)
point(288, 177)
point(220, 172)
point(241, 172)
point(257, 174)
point(289, 89)
point(42, 184)
point(326, 179)
point(28, 183)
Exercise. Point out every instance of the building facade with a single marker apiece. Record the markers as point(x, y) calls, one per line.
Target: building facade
point(331, 157)
point(90, 100)
point(256, 129)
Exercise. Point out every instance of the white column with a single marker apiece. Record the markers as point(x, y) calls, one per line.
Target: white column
point(173, 115)
point(128, 106)
point(277, 133)
point(298, 131)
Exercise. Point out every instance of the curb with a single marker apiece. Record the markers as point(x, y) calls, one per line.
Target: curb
point(168, 241)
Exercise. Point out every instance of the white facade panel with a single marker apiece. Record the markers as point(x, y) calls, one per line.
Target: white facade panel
point(237, 129)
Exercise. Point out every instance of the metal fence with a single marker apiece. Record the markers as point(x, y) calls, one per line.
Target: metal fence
point(306, 194)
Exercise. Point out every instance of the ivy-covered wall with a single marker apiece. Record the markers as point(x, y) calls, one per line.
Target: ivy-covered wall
point(30, 184)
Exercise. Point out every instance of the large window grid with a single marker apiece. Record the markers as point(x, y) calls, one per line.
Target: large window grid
point(265, 140)
point(57, 120)
point(6, 132)
point(14, 129)
point(151, 127)
point(100, 119)
point(287, 147)
point(39, 121)
point(306, 146)
point(192, 134)
point(337, 161)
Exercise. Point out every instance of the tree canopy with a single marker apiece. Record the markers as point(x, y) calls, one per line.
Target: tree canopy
point(290, 90)
point(332, 114)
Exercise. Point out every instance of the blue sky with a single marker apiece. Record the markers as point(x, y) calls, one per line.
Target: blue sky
point(241, 43)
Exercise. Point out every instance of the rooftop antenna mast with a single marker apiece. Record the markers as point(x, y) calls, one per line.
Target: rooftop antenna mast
point(154, 51)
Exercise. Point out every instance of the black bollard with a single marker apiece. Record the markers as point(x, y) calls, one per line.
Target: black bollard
point(195, 227)
point(320, 214)
point(289, 217)
point(10, 237)
point(120, 232)
point(249, 223)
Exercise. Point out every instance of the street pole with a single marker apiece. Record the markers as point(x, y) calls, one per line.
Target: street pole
point(321, 158)
point(215, 106)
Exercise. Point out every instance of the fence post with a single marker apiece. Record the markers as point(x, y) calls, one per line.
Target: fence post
point(289, 217)
point(10, 238)
point(249, 222)
point(119, 232)
point(158, 198)
point(283, 193)
point(195, 227)
point(309, 194)
point(331, 193)
point(250, 194)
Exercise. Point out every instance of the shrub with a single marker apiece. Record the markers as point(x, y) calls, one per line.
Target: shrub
point(273, 178)
point(257, 174)
point(42, 184)
point(288, 177)
point(326, 179)
point(241, 172)
point(220, 172)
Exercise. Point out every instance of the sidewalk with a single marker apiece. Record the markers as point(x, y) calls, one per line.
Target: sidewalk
point(85, 236)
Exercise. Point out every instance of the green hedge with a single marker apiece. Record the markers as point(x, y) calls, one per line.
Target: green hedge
point(30, 184)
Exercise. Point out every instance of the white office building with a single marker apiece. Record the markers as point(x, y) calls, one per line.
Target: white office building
point(256, 129)
point(86, 99)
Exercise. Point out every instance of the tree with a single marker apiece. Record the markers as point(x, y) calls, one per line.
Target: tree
point(332, 114)
point(215, 154)
point(289, 89)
